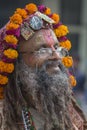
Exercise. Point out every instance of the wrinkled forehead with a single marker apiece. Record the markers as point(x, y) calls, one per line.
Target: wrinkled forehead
point(42, 37)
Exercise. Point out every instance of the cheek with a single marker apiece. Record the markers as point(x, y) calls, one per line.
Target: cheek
point(29, 60)
point(39, 60)
point(32, 61)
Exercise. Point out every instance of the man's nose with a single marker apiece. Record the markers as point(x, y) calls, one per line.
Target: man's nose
point(55, 55)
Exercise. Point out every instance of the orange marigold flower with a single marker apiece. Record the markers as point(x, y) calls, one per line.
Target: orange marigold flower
point(62, 30)
point(10, 53)
point(16, 18)
point(72, 80)
point(2, 66)
point(47, 11)
point(55, 17)
point(10, 68)
point(11, 26)
point(66, 44)
point(31, 8)
point(11, 39)
point(67, 61)
point(3, 80)
point(6, 67)
point(21, 12)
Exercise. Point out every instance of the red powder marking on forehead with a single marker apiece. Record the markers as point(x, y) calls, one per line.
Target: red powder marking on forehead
point(49, 37)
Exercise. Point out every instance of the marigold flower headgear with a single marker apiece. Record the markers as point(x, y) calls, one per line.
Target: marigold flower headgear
point(17, 26)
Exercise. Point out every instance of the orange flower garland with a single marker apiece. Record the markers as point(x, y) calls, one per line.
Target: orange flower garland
point(10, 53)
point(11, 26)
point(3, 80)
point(6, 67)
point(11, 39)
point(16, 18)
point(62, 30)
point(31, 8)
point(47, 11)
point(21, 12)
point(72, 80)
point(67, 61)
point(66, 44)
point(55, 17)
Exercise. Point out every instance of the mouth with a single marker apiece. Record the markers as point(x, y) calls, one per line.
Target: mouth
point(54, 67)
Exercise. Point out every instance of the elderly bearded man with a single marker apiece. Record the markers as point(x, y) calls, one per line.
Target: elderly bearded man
point(39, 87)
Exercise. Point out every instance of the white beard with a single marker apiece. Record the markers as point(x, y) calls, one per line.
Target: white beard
point(46, 95)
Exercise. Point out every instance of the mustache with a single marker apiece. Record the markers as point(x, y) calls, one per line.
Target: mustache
point(52, 63)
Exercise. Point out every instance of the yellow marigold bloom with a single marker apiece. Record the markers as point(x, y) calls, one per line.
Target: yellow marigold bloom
point(11, 26)
point(55, 17)
point(3, 80)
point(11, 39)
point(2, 66)
point(10, 53)
point(10, 68)
point(21, 12)
point(72, 80)
point(47, 11)
point(66, 44)
point(16, 18)
point(6, 67)
point(31, 8)
point(62, 30)
point(67, 61)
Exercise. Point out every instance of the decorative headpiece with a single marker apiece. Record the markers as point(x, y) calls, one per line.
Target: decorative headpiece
point(25, 22)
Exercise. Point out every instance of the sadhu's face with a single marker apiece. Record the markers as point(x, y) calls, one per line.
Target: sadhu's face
point(40, 48)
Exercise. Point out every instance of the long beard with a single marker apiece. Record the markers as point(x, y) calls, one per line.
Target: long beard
point(48, 94)
point(35, 80)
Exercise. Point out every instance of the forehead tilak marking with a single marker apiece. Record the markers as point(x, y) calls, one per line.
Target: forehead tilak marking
point(50, 37)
